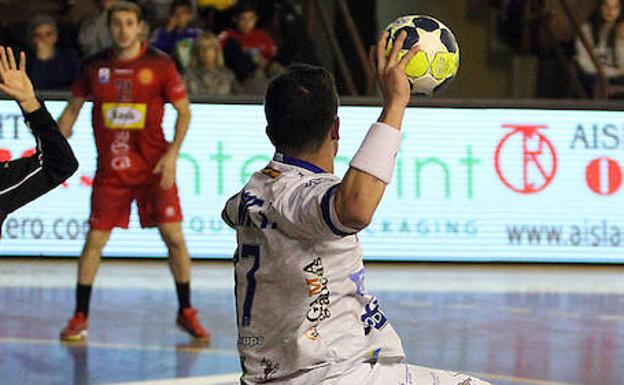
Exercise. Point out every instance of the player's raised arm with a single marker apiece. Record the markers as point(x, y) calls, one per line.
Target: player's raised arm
point(371, 169)
point(25, 179)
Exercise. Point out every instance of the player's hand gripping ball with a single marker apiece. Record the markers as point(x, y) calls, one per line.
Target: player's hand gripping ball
point(433, 68)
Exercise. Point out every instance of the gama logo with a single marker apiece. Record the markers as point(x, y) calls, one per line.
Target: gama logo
point(124, 116)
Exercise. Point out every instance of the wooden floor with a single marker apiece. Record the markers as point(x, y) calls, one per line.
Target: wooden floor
point(541, 325)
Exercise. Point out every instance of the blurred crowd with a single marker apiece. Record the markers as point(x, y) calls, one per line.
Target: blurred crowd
point(584, 49)
point(221, 47)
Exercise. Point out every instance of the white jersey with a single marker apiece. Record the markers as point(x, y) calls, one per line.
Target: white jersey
point(304, 315)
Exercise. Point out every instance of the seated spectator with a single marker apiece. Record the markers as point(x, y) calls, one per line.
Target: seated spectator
point(177, 36)
point(249, 51)
point(605, 32)
point(94, 35)
point(207, 73)
point(49, 66)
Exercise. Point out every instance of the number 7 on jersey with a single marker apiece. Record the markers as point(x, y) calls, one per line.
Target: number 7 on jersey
point(249, 251)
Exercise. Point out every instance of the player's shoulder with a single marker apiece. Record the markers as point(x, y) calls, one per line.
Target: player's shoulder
point(100, 57)
point(261, 34)
point(154, 54)
point(285, 181)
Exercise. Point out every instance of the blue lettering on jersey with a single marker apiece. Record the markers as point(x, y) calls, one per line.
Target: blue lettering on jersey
point(247, 201)
point(358, 279)
point(265, 222)
point(313, 182)
point(373, 317)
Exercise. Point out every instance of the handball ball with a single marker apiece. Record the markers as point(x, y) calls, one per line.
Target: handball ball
point(435, 66)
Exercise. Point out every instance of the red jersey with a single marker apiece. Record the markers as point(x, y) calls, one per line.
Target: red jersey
point(128, 103)
point(256, 42)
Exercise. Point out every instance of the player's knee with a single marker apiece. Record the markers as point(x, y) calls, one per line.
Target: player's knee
point(174, 241)
point(96, 240)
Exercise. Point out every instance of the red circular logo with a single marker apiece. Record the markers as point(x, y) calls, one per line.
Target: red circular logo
point(525, 159)
point(604, 176)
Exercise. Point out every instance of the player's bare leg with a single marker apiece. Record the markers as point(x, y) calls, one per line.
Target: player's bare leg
point(76, 329)
point(179, 258)
point(91, 256)
point(180, 265)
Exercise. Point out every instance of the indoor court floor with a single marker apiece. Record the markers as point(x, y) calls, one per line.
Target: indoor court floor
point(509, 324)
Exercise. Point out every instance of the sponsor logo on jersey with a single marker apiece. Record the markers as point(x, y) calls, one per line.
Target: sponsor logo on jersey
point(358, 279)
point(373, 356)
point(249, 342)
point(123, 71)
point(317, 287)
point(312, 333)
point(124, 116)
point(270, 367)
point(145, 76)
point(373, 317)
point(271, 172)
point(170, 211)
point(104, 75)
point(314, 182)
point(120, 150)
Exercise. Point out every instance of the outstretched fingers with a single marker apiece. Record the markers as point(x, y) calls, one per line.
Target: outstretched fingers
point(396, 49)
point(22, 62)
point(381, 51)
point(4, 63)
point(12, 64)
point(408, 56)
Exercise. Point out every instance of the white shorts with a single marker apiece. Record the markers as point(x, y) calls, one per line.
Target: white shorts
point(404, 374)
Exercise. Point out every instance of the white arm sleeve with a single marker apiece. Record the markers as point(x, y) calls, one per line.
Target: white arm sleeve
point(230, 211)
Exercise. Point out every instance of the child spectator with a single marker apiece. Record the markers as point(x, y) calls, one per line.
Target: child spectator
point(249, 51)
point(605, 32)
point(94, 35)
point(49, 67)
point(207, 73)
point(177, 36)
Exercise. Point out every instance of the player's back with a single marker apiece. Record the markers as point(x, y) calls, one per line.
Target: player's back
point(301, 302)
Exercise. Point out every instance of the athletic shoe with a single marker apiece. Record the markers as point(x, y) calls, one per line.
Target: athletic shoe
point(76, 329)
point(188, 322)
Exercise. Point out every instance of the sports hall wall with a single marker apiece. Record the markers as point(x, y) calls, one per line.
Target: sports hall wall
point(487, 181)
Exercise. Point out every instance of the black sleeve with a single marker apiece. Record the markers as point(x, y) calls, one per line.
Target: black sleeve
point(23, 180)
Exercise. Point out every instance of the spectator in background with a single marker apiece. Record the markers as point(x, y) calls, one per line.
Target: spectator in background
point(215, 14)
point(94, 35)
point(50, 66)
point(605, 32)
point(156, 11)
point(177, 37)
point(249, 51)
point(207, 73)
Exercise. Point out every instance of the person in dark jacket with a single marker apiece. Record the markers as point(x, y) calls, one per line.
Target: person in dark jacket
point(24, 180)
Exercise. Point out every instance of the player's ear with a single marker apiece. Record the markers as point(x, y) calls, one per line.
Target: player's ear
point(335, 130)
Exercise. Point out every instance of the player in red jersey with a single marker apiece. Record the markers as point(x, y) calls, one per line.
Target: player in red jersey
point(129, 85)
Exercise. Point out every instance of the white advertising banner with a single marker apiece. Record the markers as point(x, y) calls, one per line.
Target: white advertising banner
point(469, 185)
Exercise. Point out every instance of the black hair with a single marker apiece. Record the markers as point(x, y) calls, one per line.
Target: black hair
point(300, 107)
point(245, 6)
point(180, 3)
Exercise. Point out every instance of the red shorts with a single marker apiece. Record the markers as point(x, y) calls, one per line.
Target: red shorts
point(110, 205)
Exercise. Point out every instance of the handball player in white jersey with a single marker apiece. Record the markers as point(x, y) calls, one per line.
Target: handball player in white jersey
point(304, 315)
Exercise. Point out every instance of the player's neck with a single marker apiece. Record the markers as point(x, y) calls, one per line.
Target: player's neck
point(129, 52)
point(324, 158)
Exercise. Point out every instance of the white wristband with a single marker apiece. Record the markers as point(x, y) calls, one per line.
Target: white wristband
point(378, 152)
